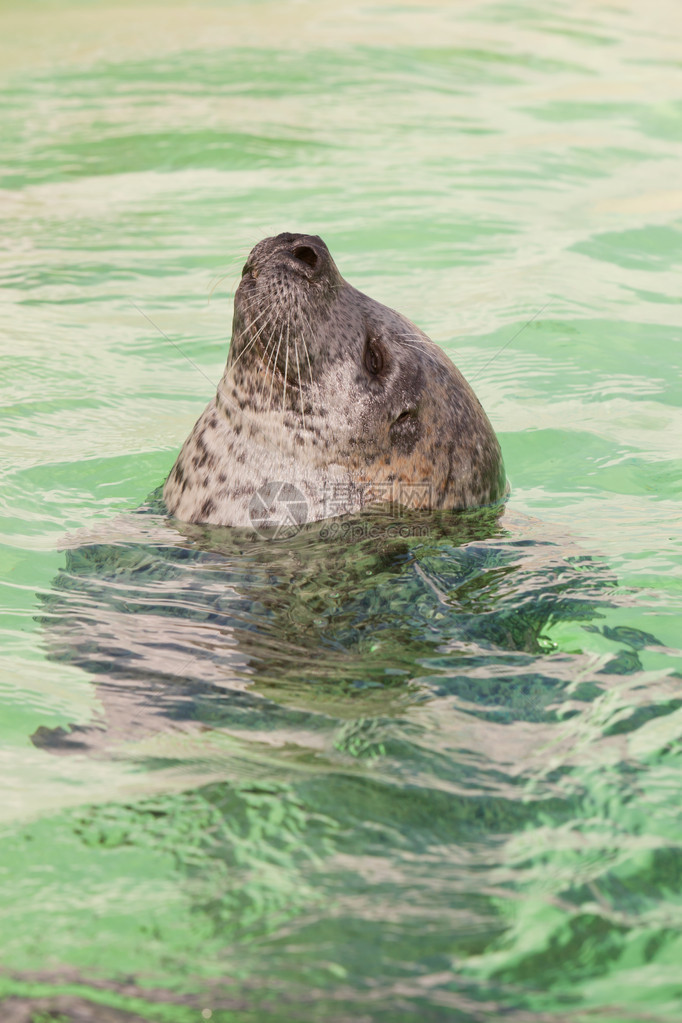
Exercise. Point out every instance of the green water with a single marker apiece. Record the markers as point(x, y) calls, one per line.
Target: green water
point(431, 782)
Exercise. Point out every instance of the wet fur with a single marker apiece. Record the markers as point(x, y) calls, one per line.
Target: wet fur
point(299, 402)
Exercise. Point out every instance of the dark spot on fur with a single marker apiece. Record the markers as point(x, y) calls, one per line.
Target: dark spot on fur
point(442, 423)
point(207, 507)
point(405, 432)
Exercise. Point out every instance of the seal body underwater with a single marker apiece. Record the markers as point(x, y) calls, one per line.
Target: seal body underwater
point(341, 398)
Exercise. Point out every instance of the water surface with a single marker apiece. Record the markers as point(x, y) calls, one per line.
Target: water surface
point(431, 778)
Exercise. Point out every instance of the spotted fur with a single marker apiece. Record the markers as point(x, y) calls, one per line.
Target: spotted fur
point(336, 394)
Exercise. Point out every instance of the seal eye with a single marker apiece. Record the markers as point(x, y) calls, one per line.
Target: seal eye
point(374, 358)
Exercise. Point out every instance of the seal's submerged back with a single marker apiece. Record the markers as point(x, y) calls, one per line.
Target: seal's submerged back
point(339, 396)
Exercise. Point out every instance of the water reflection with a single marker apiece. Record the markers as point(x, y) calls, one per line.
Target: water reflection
point(217, 626)
point(386, 714)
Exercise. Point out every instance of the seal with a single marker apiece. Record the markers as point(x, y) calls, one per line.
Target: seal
point(341, 399)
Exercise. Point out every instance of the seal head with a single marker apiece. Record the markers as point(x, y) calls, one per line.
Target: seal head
point(335, 395)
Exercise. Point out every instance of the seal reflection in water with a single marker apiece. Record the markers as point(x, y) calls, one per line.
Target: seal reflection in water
point(336, 395)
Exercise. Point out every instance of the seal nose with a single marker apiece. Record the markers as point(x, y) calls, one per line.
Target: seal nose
point(306, 254)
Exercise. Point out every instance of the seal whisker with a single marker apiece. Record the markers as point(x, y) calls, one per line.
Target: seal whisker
point(262, 315)
point(263, 312)
point(300, 384)
point(256, 336)
point(512, 338)
point(307, 354)
point(281, 333)
point(219, 391)
point(378, 404)
point(216, 284)
point(270, 351)
point(244, 351)
point(313, 390)
point(284, 392)
point(231, 271)
point(411, 340)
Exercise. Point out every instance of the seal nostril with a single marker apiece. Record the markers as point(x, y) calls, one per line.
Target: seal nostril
point(306, 255)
